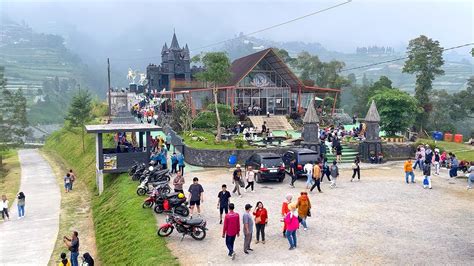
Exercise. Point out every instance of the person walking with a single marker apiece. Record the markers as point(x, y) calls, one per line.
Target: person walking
point(248, 228)
point(427, 174)
point(250, 177)
point(316, 177)
point(292, 224)
point(428, 154)
point(21, 205)
point(178, 182)
point(67, 182)
point(293, 173)
point(418, 157)
point(73, 178)
point(408, 168)
point(356, 168)
point(304, 209)
point(237, 179)
point(334, 174)
point(73, 245)
point(4, 206)
point(261, 218)
point(470, 178)
point(164, 159)
point(223, 202)
point(308, 169)
point(285, 210)
point(174, 163)
point(196, 196)
point(181, 163)
point(326, 170)
point(168, 141)
point(436, 161)
point(231, 229)
point(338, 151)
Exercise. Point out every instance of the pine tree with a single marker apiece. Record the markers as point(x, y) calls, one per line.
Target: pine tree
point(79, 112)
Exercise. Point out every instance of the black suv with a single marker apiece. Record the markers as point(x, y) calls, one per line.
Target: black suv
point(269, 166)
point(302, 156)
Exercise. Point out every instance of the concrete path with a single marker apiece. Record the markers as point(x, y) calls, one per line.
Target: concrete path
point(30, 241)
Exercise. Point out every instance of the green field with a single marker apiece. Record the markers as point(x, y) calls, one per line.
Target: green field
point(125, 233)
point(461, 150)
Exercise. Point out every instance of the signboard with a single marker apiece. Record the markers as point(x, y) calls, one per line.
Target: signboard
point(110, 161)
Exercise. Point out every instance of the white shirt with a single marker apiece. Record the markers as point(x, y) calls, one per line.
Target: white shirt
point(4, 204)
point(308, 168)
point(250, 176)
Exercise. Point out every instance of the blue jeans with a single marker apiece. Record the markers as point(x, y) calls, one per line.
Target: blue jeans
point(291, 236)
point(309, 180)
point(74, 256)
point(418, 162)
point(453, 171)
point(229, 242)
point(303, 222)
point(407, 174)
point(21, 210)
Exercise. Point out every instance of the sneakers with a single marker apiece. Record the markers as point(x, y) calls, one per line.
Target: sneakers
point(468, 187)
point(220, 222)
point(256, 241)
point(352, 179)
point(263, 242)
point(306, 229)
point(253, 191)
point(291, 248)
point(233, 255)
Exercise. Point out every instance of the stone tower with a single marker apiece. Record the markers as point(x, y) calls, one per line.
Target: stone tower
point(310, 132)
point(372, 143)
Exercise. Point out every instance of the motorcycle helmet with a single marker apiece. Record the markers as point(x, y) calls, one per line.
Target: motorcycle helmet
point(180, 196)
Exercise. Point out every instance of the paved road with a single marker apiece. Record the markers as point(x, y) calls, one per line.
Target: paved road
point(31, 240)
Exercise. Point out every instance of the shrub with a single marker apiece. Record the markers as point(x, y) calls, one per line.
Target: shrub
point(239, 143)
point(207, 119)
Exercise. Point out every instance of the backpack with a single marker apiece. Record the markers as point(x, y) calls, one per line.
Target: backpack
point(426, 182)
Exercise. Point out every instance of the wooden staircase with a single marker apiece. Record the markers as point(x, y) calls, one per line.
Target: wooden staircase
point(274, 122)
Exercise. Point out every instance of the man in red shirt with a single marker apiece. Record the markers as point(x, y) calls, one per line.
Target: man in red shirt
point(231, 229)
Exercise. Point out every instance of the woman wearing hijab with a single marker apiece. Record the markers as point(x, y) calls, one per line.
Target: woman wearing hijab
point(285, 210)
point(292, 224)
point(304, 206)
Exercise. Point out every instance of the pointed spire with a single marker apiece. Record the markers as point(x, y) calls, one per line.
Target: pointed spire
point(174, 42)
point(372, 114)
point(311, 116)
point(165, 48)
point(186, 48)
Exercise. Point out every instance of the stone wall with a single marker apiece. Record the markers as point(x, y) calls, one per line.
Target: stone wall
point(219, 158)
point(397, 151)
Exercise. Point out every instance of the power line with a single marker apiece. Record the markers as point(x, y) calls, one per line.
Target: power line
point(251, 33)
point(401, 58)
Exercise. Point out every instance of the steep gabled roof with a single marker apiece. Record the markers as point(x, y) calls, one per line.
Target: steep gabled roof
point(174, 42)
point(242, 66)
point(311, 117)
point(372, 114)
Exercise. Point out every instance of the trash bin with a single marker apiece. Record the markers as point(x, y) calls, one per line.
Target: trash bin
point(448, 137)
point(458, 138)
point(437, 135)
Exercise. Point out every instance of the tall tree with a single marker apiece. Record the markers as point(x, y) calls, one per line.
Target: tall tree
point(217, 72)
point(80, 112)
point(425, 59)
point(396, 109)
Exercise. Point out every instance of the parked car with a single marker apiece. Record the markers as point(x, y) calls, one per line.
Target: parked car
point(302, 156)
point(268, 166)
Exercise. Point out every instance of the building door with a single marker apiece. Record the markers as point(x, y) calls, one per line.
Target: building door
point(263, 105)
point(271, 105)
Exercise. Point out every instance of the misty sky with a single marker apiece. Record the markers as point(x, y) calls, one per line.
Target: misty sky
point(199, 23)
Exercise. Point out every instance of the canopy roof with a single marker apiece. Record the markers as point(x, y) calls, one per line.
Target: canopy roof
point(372, 114)
point(241, 67)
point(108, 128)
point(311, 117)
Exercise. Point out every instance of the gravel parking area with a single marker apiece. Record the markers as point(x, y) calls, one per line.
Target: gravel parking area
point(377, 220)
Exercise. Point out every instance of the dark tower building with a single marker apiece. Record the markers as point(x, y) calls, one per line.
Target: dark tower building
point(175, 66)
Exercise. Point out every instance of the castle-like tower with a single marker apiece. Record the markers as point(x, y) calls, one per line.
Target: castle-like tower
point(175, 65)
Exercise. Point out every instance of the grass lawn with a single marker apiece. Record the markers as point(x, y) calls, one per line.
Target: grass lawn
point(462, 151)
point(10, 175)
point(205, 140)
point(125, 234)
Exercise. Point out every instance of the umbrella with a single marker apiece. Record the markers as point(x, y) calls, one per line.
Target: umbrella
point(318, 99)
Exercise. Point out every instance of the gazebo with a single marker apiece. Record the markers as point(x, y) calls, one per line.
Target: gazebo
point(120, 158)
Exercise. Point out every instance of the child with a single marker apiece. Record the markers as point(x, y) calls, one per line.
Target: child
point(380, 158)
point(334, 174)
point(4, 207)
point(427, 174)
point(64, 260)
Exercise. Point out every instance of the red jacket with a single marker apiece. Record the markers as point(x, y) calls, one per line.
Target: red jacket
point(262, 213)
point(231, 224)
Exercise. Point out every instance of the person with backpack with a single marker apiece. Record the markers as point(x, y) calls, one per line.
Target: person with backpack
point(291, 224)
point(304, 209)
point(21, 205)
point(316, 177)
point(427, 174)
point(334, 174)
point(356, 168)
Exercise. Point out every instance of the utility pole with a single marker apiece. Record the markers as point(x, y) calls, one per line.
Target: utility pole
point(110, 90)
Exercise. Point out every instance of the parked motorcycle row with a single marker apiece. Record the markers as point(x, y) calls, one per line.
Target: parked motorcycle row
point(154, 182)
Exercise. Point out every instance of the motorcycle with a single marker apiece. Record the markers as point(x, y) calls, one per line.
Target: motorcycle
point(171, 203)
point(138, 172)
point(155, 174)
point(195, 227)
point(150, 201)
point(162, 187)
